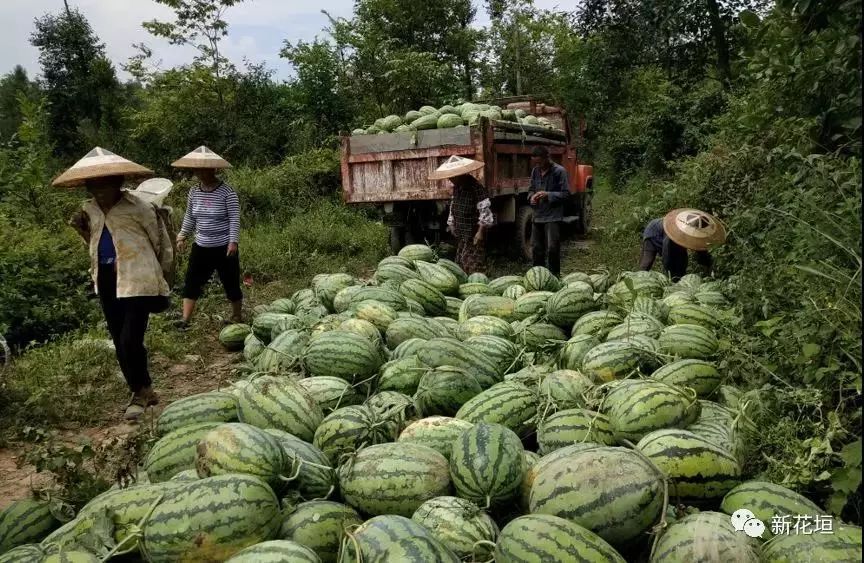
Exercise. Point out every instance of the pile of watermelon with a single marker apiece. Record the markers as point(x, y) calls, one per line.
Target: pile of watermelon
point(449, 116)
point(425, 415)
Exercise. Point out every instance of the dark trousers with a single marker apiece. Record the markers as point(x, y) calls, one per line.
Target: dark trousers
point(546, 245)
point(202, 262)
point(675, 258)
point(127, 320)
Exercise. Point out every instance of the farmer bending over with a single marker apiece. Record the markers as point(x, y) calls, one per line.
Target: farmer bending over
point(676, 233)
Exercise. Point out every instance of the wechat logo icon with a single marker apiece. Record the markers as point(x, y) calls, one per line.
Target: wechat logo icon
point(745, 521)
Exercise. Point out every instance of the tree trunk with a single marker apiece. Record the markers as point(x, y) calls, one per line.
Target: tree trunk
point(720, 44)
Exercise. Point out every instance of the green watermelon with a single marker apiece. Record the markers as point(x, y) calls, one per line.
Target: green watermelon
point(24, 522)
point(233, 337)
point(487, 464)
point(320, 525)
point(540, 538)
point(704, 536)
point(436, 432)
point(275, 551)
point(443, 390)
point(272, 402)
point(459, 524)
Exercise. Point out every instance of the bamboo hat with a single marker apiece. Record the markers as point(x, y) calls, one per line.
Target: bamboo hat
point(455, 166)
point(202, 157)
point(694, 229)
point(99, 163)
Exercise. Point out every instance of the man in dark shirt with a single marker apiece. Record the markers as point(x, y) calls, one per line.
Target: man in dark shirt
point(673, 235)
point(547, 195)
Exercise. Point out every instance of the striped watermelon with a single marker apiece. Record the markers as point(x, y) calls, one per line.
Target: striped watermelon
point(624, 292)
point(611, 491)
point(452, 325)
point(414, 252)
point(501, 284)
point(375, 312)
point(710, 298)
point(282, 355)
point(394, 410)
point(678, 298)
point(404, 329)
point(644, 305)
point(233, 336)
point(571, 426)
point(235, 447)
point(320, 525)
point(694, 314)
point(705, 536)
point(427, 295)
point(443, 390)
point(304, 298)
point(500, 351)
point(347, 429)
point(388, 297)
point(487, 464)
point(262, 308)
point(342, 354)
point(573, 351)
point(478, 277)
point(699, 375)
point(514, 291)
point(600, 281)
point(637, 407)
point(275, 551)
point(211, 519)
point(612, 360)
point(532, 303)
point(539, 278)
point(330, 393)
point(361, 327)
point(541, 538)
point(419, 550)
point(844, 544)
point(564, 389)
point(766, 501)
point(252, 346)
point(407, 349)
point(396, 260)
point(696, 468)
point(402, 375)
point(274, 402)
point(468, 289)
point(286, 323)
point(376, 535)
point(530, 376)
point(577, 277)
point(688, 341)
point(454, 304)
point(395, 272)
point(540, 336)
point(214, 406)
point(76, 556)
point(342, 300)
point(491, 305)
point(175, 452)
point(508, 403)
point(644, 325)
point(485, 325)
point(439, 352)
point(459, 524)
point(262, 325)
point(454, 269)
point(568, 305)
point(315, 476)
point(436, 432)
point(28, 553)
point(393, 478)
point(596, 323)
point(535, 466)
point(186, 475)
point(25, 521)
point(438, 277)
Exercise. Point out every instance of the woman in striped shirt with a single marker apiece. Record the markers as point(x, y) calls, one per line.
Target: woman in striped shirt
point(213, 217)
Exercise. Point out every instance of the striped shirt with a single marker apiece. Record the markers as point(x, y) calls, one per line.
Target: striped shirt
point(214, 217)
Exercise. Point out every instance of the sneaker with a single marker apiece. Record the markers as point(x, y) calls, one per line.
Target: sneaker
point(133, 412)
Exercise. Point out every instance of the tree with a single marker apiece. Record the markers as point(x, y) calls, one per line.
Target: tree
point(14, 86)
point(80, 83)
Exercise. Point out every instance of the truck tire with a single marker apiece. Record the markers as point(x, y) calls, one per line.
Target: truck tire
point(396, 237)
point(524, 226)
point(583, 224)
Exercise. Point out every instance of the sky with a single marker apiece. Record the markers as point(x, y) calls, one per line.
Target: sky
point(256, 33)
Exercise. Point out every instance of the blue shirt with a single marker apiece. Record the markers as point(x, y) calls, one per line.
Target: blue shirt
point(107, 253)
point(655, 234)
point(554, 183)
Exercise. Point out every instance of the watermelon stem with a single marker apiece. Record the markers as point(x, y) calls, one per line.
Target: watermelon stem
point(479, 543)
point(136, 533)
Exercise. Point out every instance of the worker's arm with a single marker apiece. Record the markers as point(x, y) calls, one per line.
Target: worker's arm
point(559, 190)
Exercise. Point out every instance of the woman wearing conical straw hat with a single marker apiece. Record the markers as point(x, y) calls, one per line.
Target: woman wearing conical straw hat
point(130, 257)
point(470, 211)
point(673, 235)
point(213, 218)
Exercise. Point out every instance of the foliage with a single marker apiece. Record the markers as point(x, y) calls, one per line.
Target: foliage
point(14, 85)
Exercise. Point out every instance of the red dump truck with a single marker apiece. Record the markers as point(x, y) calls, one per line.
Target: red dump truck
point(391, 170)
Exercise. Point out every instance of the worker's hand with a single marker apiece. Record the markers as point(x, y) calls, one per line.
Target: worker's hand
point(232, 249)
point(181, 243)
point(537, 197)
point(478, 238)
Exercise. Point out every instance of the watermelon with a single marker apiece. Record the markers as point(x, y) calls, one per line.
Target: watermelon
point(459, 524)
point(315, 477)
point(275, 551)
point(211, 519)
point(573, 351)
point(240, 448)
point(282, 355)
point(704, 536)
point(503, 353)
point(539, 278)
point(540, 336)
point(454, 304)
point(186, 475)
point(645, 325)
point(402, 375)
point(699, 375)
point(534, 466)
point(233, 337)
point(443, 390)
point(531, 303)
point(541, 538)
point(75, 556)
point(514, 291)
point(687, 313)
point(393, 478)
point(478, 277)
point(28, 553)
point(767, 501)
point(439, 352)
point(361, 327)
point(487, 464)
point(262, 325)
point(564, 389)
point(175, 452)
point(342, 300)
point(612, 360)
point(637, 407)
point(508, 403)
point(490, 305)
point(688, 341)
point(452, 325)
point(485, 325)
point(377, 534)
point(454, 269)
point(611, 491)
point(577, 277)
point(347, 429)
point(499, 285)
point(596, 323)
point(388, 297)
point(377, 313)
point(24, 522)
point(427, 295)
point(342, 354)
point(438, 277)
point(436, 432)
point(710, 298)
point(468, 289)
point(414, 252)
point(396, 272)
point(404, 329)
point(319, 525)
point(407, 349)
point(695, 468)
point(393, 410)
point(272, 402)
point(213, 406)
point(330, 393)
point(530, 376)
point(252, 346)
point(570, 426)
point(568, 305)
point(844, 544)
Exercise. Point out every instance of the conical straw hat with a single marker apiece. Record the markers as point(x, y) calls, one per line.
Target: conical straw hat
point(99, 163)
point(455, 166)
point(202, 157)
point(694, 229)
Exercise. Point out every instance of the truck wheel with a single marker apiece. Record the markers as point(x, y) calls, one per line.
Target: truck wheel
point(396, 234)
point(583, 224)
point(524, 226)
